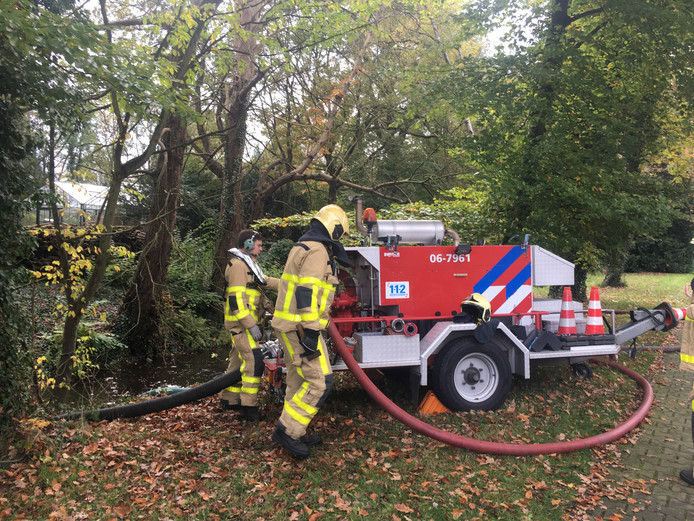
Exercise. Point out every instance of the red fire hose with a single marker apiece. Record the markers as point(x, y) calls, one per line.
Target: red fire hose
point(490, 447)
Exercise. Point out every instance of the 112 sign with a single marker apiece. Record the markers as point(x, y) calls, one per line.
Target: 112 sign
point(398, 289)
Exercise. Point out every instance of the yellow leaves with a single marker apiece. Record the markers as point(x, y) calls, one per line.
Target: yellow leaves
point(36, 423)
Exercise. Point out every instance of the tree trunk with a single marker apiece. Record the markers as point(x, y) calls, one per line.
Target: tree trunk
point(231, 210)
point(144, 307)
point(236, 102)
point(121, 170)
point(614, 267)
point(77, 305)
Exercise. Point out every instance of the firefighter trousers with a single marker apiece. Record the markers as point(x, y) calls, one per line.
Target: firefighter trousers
point(246, 356)
point(691, 395)
point(308, 384)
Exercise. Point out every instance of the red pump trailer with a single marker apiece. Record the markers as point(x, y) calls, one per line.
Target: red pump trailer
point(398, 305)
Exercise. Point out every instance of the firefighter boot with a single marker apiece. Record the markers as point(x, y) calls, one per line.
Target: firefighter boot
point(687, 476)
point(311, 440)
point(251, 413)
point(297, 448)
point(224, 405)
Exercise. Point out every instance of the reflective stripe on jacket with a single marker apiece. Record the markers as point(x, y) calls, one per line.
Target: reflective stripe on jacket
point(243, 300)
point(687, 349)
point(306, 289)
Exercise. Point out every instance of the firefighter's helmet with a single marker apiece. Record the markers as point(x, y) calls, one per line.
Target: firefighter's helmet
point(478, 307)
point(334, 219)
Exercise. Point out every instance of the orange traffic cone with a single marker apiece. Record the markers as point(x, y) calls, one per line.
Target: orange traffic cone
point(567, 318)
point(680, 313)
point(594, 325)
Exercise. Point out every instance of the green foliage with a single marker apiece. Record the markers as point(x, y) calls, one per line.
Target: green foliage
point(95, 350)
point(273, 260)
point(19, 172)
point(567, 120)
point(15, 357)
point(467, 211)
point(184, 331)
point(671, 252)
point(199, 200)
point(189, 272)
point(120, 271)
point(292, 227)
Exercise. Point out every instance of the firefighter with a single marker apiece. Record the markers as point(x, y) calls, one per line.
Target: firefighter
point(245, 305)
point(306, 291)
point(687, 364)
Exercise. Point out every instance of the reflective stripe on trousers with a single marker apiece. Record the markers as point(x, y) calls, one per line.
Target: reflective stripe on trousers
point(241, 357)
point(308, 384)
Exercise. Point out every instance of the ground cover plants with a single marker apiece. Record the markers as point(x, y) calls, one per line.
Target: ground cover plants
point(195, 462)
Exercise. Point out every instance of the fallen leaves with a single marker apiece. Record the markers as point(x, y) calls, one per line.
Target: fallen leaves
point(194, 462)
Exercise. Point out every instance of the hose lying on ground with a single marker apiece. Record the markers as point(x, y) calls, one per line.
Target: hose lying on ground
point(489, 447)
point(158, 404)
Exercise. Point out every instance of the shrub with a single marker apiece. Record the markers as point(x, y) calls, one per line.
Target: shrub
point(672, 252)
point(94, 351)
point(189, 273)
point(183, 330)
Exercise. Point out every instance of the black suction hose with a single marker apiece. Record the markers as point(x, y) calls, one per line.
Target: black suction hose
point(158, 404)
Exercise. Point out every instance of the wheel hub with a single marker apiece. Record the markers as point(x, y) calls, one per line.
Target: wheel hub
point(471, 375)
point(476, 377)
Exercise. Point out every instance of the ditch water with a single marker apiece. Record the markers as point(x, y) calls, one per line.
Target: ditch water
point(181, 370)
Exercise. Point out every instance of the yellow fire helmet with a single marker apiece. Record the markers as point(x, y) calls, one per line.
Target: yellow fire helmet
point(334, 219)
point(478, 307)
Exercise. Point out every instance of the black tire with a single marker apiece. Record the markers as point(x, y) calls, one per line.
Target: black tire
point(582, 371)
point(467, 375)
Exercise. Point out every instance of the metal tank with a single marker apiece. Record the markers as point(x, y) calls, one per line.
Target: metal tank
point(428, 233)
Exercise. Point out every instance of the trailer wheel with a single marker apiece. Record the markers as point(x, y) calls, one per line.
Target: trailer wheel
point(582, 371)
point(470, 376)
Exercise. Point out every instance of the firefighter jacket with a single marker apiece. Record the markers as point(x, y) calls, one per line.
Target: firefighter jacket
point(687, 349)
point(244, 303)
point(307, 288)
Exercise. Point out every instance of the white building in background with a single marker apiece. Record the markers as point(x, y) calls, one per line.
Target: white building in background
point(80, 202)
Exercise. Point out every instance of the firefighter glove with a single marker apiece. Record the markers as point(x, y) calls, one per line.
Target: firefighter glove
point(309, 341)
point(691, 395)
point(255, 332)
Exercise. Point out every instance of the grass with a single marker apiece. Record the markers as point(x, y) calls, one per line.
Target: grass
point(195, 462)
point(644, 289)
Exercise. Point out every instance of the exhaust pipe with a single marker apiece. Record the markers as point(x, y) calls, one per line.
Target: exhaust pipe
point(358, 217)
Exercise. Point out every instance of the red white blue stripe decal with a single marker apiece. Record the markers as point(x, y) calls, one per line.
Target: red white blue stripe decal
point(507, 285)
